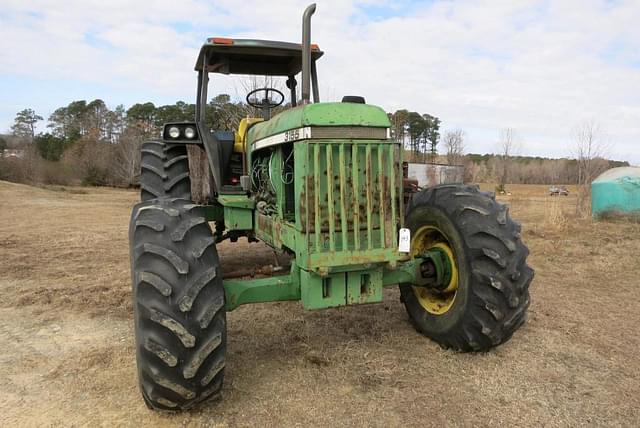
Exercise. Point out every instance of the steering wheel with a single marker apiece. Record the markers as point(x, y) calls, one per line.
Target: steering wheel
point(266, 101)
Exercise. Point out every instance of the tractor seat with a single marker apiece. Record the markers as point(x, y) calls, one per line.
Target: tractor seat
point(355, 99)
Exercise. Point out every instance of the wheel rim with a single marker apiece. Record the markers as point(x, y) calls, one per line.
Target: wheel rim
point(427, 238)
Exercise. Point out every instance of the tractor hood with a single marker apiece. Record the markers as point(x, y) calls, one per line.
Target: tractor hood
point(321, 115)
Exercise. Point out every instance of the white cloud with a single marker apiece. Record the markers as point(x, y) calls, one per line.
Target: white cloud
point(541, 67)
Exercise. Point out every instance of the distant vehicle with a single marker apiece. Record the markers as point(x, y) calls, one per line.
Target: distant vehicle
point(558, 191)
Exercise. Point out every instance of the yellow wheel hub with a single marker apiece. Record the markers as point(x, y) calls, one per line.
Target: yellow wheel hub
point(435, 302)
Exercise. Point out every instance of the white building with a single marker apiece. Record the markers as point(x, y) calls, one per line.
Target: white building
point(432, 174)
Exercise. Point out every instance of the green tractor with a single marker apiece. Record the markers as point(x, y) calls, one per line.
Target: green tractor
point(321, 182)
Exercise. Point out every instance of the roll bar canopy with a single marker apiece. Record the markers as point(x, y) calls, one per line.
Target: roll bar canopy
point(253, 57)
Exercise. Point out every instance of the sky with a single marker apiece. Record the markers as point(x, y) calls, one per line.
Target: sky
point(543, 68)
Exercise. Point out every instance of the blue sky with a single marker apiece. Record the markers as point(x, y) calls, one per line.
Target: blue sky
point(540, 67)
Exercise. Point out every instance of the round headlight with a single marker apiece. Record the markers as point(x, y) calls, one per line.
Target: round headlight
point(174, 132)
point(189, 132)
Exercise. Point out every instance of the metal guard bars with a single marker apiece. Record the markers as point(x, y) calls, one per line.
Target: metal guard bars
point(354, 202)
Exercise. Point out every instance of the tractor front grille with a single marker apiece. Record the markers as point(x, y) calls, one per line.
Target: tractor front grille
point(350, 199)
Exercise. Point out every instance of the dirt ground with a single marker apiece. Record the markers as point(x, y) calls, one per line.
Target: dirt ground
point(67, 353)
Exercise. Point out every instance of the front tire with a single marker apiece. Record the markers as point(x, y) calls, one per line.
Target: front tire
point(487, 299)
point(179, 304)
point(164, 171)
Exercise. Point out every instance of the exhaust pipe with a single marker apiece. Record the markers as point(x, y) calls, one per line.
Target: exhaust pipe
point(306, 53)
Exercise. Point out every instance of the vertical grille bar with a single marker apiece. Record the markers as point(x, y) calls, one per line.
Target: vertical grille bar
point(332, 216)
point(369, 186)
point(381, 180)
point(399, 154)
point(317, 192)
point(356, 196)
point(343, 197)
point(392, 180)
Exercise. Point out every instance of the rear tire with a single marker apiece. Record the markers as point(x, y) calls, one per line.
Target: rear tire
point(164, 171)
point(492, 294)
point(179, 304)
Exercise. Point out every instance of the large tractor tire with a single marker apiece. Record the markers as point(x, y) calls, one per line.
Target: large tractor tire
point(179, 304)
point(486, 296)
point(164, 171)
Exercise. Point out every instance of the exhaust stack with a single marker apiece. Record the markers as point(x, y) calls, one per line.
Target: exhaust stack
point(306, 53)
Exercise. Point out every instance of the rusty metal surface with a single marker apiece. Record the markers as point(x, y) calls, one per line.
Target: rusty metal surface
point(348, 201)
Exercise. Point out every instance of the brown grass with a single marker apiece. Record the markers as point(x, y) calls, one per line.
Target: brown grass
point(555, 218)
point(67, 342)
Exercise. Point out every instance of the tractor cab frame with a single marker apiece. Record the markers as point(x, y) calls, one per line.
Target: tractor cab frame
point(247, 57)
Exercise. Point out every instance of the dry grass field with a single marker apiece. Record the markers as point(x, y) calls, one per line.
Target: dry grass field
point(67, 353)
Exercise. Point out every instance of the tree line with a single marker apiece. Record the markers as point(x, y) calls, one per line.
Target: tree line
point(88, 143)
point(589, 147)
point(418, 132)
point(488, 168)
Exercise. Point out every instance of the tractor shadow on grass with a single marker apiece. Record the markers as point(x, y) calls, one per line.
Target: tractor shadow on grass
point(355, 346)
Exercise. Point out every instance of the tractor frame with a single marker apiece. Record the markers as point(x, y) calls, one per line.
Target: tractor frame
point(342, 225)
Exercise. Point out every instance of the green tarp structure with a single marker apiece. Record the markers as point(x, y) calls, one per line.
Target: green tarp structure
point(616, 192)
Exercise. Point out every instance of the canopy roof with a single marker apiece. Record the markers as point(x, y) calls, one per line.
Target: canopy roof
point(257, 57)
point(615, 174)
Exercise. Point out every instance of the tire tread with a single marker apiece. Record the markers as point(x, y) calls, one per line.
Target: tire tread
point(164, 171)
point(179, 304)
point(499, 276)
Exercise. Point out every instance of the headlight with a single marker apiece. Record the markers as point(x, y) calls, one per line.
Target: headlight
point(189, 132)
point(174, 132)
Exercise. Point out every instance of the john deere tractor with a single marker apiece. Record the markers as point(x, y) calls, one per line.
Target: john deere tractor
point(321, 182)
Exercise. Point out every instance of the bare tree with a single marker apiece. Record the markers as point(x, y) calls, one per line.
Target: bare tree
point(454, 145)
point(508, 147)
point(472, 171)
point(126, 165)
point(589, 150)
